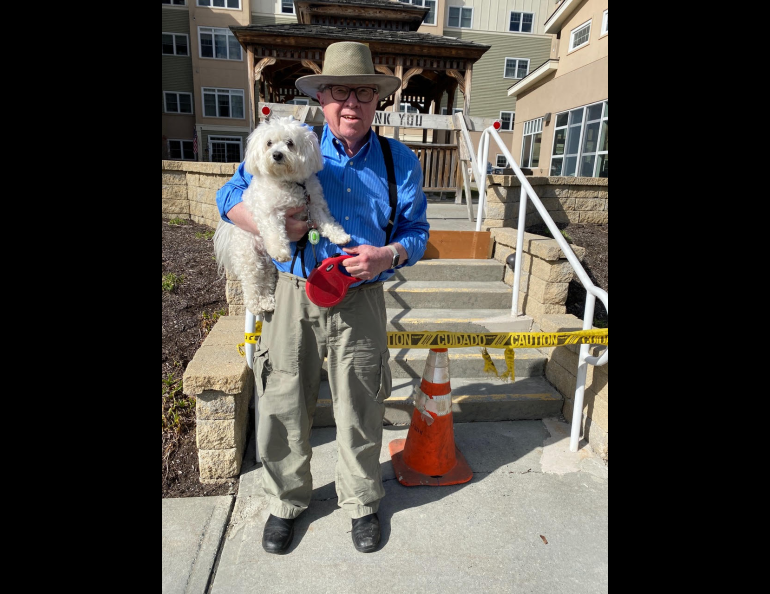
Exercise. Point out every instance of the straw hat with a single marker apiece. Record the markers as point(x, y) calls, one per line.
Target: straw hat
point(348, 63)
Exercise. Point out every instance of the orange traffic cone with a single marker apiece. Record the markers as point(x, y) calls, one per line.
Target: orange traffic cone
point(428, 455)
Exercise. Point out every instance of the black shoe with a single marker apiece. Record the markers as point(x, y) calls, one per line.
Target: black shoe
point(277, 535)
point(366, 533)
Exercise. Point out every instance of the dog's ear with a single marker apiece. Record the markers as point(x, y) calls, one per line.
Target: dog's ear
point(254, 148)
point(313, 150)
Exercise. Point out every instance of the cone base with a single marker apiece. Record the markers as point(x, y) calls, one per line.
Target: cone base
point(461, 473)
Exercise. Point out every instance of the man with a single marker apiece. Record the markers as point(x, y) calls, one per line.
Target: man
point(352, 335)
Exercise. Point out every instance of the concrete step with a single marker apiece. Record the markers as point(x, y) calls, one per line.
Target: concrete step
point(472, 400)
point(452, 270)
point(447, 294)
point(467, 362)
point(452, 320)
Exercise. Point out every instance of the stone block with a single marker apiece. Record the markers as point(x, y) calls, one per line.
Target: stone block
point(502, 211)
point(234, 292)
point(221, 434)
point(218, 464)
point(560, 323)
point(584, 192)
point(217, 368)
point(566, 358)
point(213, 182)
point(562, 379)
point(495, 223)
point(553, 192)
point(172, 165)
point(598, 381)
point(237, 309)
point(173, 178)
point(547, 292)
point(174, 192)
point(216, 406)
point(172, 208)
point(595, 218)
point(596, 408)
point(597, 438)
point(532, 307)
point(583, 204)
point(561, 217)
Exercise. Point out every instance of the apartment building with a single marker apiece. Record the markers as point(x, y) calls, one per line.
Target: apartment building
point(205, 113)
point(562, 126)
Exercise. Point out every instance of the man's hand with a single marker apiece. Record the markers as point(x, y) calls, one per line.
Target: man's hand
point(296, 223)
point(368, 261)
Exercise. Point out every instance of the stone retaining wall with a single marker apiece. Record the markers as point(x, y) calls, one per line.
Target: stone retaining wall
point(190, 190)
point(567, 200)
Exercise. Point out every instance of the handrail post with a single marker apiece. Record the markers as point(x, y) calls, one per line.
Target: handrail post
point(250, 325)
point(519, 250)
point(482, 183)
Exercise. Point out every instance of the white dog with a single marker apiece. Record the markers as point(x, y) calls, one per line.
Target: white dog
point(283, 156)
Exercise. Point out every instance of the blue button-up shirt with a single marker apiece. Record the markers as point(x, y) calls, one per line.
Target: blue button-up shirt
point(356, 189)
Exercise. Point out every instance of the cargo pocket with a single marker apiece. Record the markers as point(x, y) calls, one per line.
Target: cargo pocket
point(386, 380)
point(262, 369)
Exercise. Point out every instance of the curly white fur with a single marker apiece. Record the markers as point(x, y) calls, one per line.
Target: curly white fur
point(280, 154)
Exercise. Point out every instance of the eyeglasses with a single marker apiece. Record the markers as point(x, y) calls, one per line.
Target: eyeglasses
point(363, 94)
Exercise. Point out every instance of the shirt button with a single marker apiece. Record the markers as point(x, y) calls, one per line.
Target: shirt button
point(347, 218)
point(348, 189)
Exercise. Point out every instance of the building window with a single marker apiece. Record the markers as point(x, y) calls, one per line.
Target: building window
point(287, 6)
point(430, 18)
point(178, 102)
point(175, 2)
point(225, 149)
point(521, 22)
point(181, 149)
point(298, 101)
point(501, 161)
point(175, 44)
point(234, 4)
point(579, 36)
point(407, 108)
point(530, 143)
point(460, 17)
point(516, 67)
point(223, 103)
point(219, 44)
point(606, 22)
point(506, 120)
point(454, 110)
point(581, 142)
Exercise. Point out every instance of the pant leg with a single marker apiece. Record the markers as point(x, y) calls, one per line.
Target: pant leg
point(287, 368)
point(360, 381)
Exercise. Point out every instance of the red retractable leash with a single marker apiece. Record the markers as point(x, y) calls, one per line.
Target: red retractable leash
point(328, 283)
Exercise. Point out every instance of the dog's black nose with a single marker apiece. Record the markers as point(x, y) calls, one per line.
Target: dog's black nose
point(277, 156)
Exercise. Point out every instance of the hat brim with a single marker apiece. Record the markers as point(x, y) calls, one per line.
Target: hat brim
point(311, 83)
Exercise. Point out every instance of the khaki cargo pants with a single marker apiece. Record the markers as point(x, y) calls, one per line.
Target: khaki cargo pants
point(295, 339)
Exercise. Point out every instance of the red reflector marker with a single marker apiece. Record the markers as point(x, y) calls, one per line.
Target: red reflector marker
point(265, 111)
point(497, 124)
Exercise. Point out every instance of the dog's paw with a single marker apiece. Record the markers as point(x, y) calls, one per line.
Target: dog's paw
point(340, 238)
point(267, 303)
point(282, 255)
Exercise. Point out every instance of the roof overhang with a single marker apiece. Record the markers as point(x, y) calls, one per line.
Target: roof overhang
point(554, 22)
point(534, 77)
point(376, 9)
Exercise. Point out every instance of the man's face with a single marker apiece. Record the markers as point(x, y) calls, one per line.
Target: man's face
point(349, 119)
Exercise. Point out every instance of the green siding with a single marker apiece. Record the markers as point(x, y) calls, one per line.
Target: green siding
point(489, 89)
point(176, 21)
point(267, 19)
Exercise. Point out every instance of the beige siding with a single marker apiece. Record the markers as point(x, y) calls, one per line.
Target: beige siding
point(489, 89)
point(495, 15)
point(176, 21)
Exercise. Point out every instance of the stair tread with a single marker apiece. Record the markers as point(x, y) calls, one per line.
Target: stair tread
point(458, 286)
point(464, 352)
point(449, 314)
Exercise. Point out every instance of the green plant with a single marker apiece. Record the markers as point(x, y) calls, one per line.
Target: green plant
point(171, 281)
point(205, 235)
point(177, 410)
point(601, 323)
point(566, 236)
point(176, 221)
point(210, 319)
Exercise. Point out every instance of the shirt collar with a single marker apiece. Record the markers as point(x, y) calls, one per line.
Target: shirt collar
point(332, 147)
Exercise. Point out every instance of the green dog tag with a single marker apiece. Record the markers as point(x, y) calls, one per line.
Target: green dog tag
point(313, 236)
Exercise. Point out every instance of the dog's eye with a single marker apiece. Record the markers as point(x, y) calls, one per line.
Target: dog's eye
point(269, 143)
point(290, 143)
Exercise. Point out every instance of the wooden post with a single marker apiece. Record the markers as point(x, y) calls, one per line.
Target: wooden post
point(397, 95)
point(467, 89)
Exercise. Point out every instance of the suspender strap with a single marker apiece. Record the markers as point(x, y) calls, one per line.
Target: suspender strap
point(392, 189)
point(301, 248)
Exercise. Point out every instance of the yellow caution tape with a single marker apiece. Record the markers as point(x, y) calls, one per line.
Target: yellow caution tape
point(494, 340)
point(489, 365)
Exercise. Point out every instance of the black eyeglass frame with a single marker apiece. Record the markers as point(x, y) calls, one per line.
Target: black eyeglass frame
point(375, 91)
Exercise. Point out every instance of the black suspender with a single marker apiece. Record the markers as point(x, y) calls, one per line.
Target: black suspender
point(392, 189)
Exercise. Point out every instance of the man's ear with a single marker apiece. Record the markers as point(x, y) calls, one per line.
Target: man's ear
point(319, 96)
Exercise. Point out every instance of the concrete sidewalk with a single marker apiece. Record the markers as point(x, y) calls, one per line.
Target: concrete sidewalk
point(534, 518)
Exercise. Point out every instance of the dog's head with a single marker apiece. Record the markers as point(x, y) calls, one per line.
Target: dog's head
point(283, 148)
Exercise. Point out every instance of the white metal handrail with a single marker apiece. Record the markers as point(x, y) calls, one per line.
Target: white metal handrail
point(592, 291)
point(250, 325)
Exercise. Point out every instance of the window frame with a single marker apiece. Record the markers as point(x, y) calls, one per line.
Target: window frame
point(521, 21)
point(211, 5)
point(283, 7)
point(505, 68)
point(226, 140)
point(424, 4)
point(228, 34)
point(497, 161)
point(502, 124)
point(459, 18)
point(181, 149)
point(298, 101)
point(572, 46)
point(222, 91)
point(454, 110)
point(584, 122)
point(177, 93)
point(174, 2)
point(531, 129)
point(605, 23)
point(175, 35)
